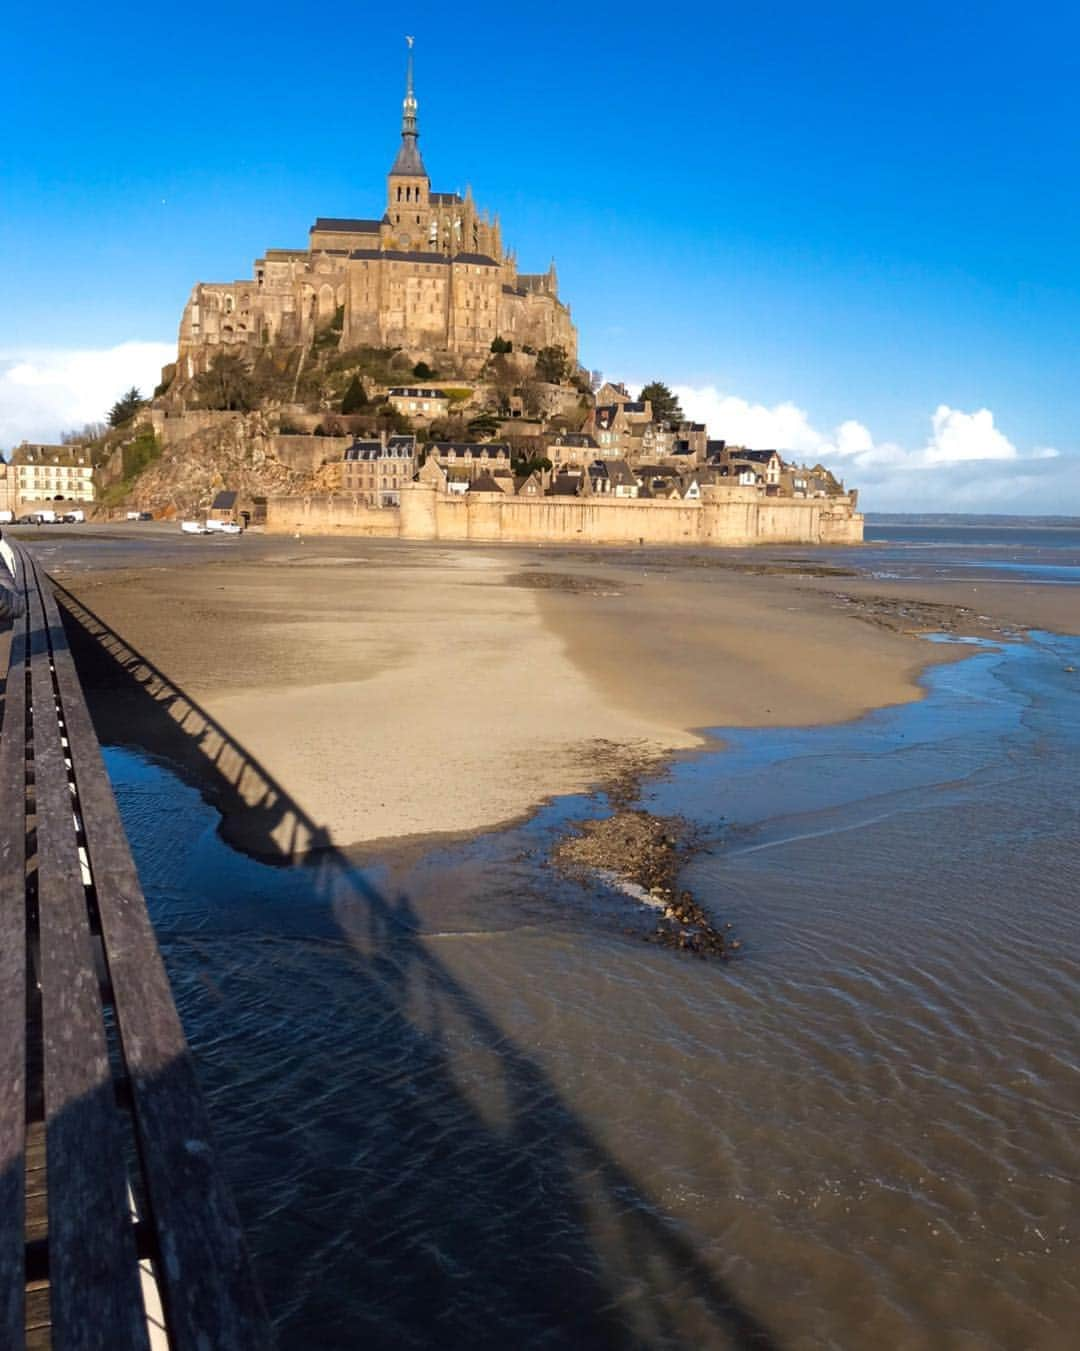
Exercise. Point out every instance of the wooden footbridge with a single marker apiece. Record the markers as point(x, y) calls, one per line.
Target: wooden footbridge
point(117, 1230)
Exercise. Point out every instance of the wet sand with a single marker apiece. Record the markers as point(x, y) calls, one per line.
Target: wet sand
point(408, 690)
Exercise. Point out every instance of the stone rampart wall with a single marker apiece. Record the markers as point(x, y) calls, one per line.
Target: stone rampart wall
point(171, 428)
point(726, 517)
point(341, 514)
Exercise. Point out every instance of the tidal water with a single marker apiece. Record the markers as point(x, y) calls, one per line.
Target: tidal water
point(461, 1106)
point(1026, 549)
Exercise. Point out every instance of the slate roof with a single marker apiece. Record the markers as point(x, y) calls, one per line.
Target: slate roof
point(754, 456)
point(657, 471)
point(573, 439)
point(617, 472)
point(397, 256)
point(224, 502)
point(346, 226)
point(396, 448)
point(484, 483)
point(478, 448)
point(408, 159)
point(445, 198)
point(417, 394)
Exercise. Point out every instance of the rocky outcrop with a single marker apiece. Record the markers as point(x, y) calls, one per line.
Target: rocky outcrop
point(206, 452)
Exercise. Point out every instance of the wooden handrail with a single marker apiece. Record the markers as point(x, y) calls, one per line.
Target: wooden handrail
point(75, 923)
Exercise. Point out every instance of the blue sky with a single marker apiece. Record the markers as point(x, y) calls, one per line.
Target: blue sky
point(860, 213)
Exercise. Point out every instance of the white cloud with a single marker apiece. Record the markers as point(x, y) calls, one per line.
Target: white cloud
point(966, 436)
point(46, 392)
point(966, 464)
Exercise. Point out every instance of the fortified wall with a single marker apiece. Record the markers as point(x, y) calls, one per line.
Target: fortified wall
point(725, 517)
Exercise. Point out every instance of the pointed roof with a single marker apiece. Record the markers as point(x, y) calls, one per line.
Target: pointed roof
point(408, 156)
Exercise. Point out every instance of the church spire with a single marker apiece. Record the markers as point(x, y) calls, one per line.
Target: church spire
point(408, 108)
point(408, 157)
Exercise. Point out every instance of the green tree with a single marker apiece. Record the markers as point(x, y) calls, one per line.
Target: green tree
point(500, 346)
point(125, 408)
point(226, 386)
point(534, 464)
point(139, 453)
point(552, 365)
point(355, 397)
point(665, 405)
point(423, 371)
point(483, 426)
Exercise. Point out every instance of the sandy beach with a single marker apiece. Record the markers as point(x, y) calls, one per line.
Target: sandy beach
point(402, 691)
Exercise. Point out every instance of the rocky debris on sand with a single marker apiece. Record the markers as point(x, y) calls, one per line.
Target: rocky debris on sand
point(646, 852)
point(919, 617)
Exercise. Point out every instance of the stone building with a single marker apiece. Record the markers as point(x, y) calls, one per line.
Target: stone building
point(418, 405)
point(43, 472)
point(8, 500)
point(375, 471)
point(429, 275)
point(463, 460)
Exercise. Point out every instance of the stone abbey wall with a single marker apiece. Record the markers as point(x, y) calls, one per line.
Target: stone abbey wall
point(725, 517)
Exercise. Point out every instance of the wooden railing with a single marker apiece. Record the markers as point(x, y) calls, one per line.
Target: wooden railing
point(117, 1230)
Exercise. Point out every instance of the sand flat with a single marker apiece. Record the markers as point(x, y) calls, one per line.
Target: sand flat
point(438, 689)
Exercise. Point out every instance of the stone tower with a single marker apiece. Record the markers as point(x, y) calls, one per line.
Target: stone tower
point(408, 189)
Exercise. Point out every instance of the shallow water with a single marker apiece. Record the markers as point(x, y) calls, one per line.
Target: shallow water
point(460, 1105)
point(1024, 551)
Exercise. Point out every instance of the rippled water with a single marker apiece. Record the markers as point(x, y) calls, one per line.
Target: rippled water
point(1028, 550)
point(460, 1106)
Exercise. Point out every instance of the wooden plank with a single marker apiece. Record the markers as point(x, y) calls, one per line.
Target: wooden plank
point(13, 990)
point(37, 1222)
point(93, 1271)
point(38, 1335)
point(207, 1281)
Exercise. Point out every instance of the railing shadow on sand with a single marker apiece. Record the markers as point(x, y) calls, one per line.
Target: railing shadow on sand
point(419, 1256)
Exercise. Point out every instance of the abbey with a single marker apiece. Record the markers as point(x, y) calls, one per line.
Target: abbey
point(429, 276)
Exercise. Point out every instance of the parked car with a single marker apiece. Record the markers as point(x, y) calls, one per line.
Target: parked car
point(193, 528)
point(74, 518)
